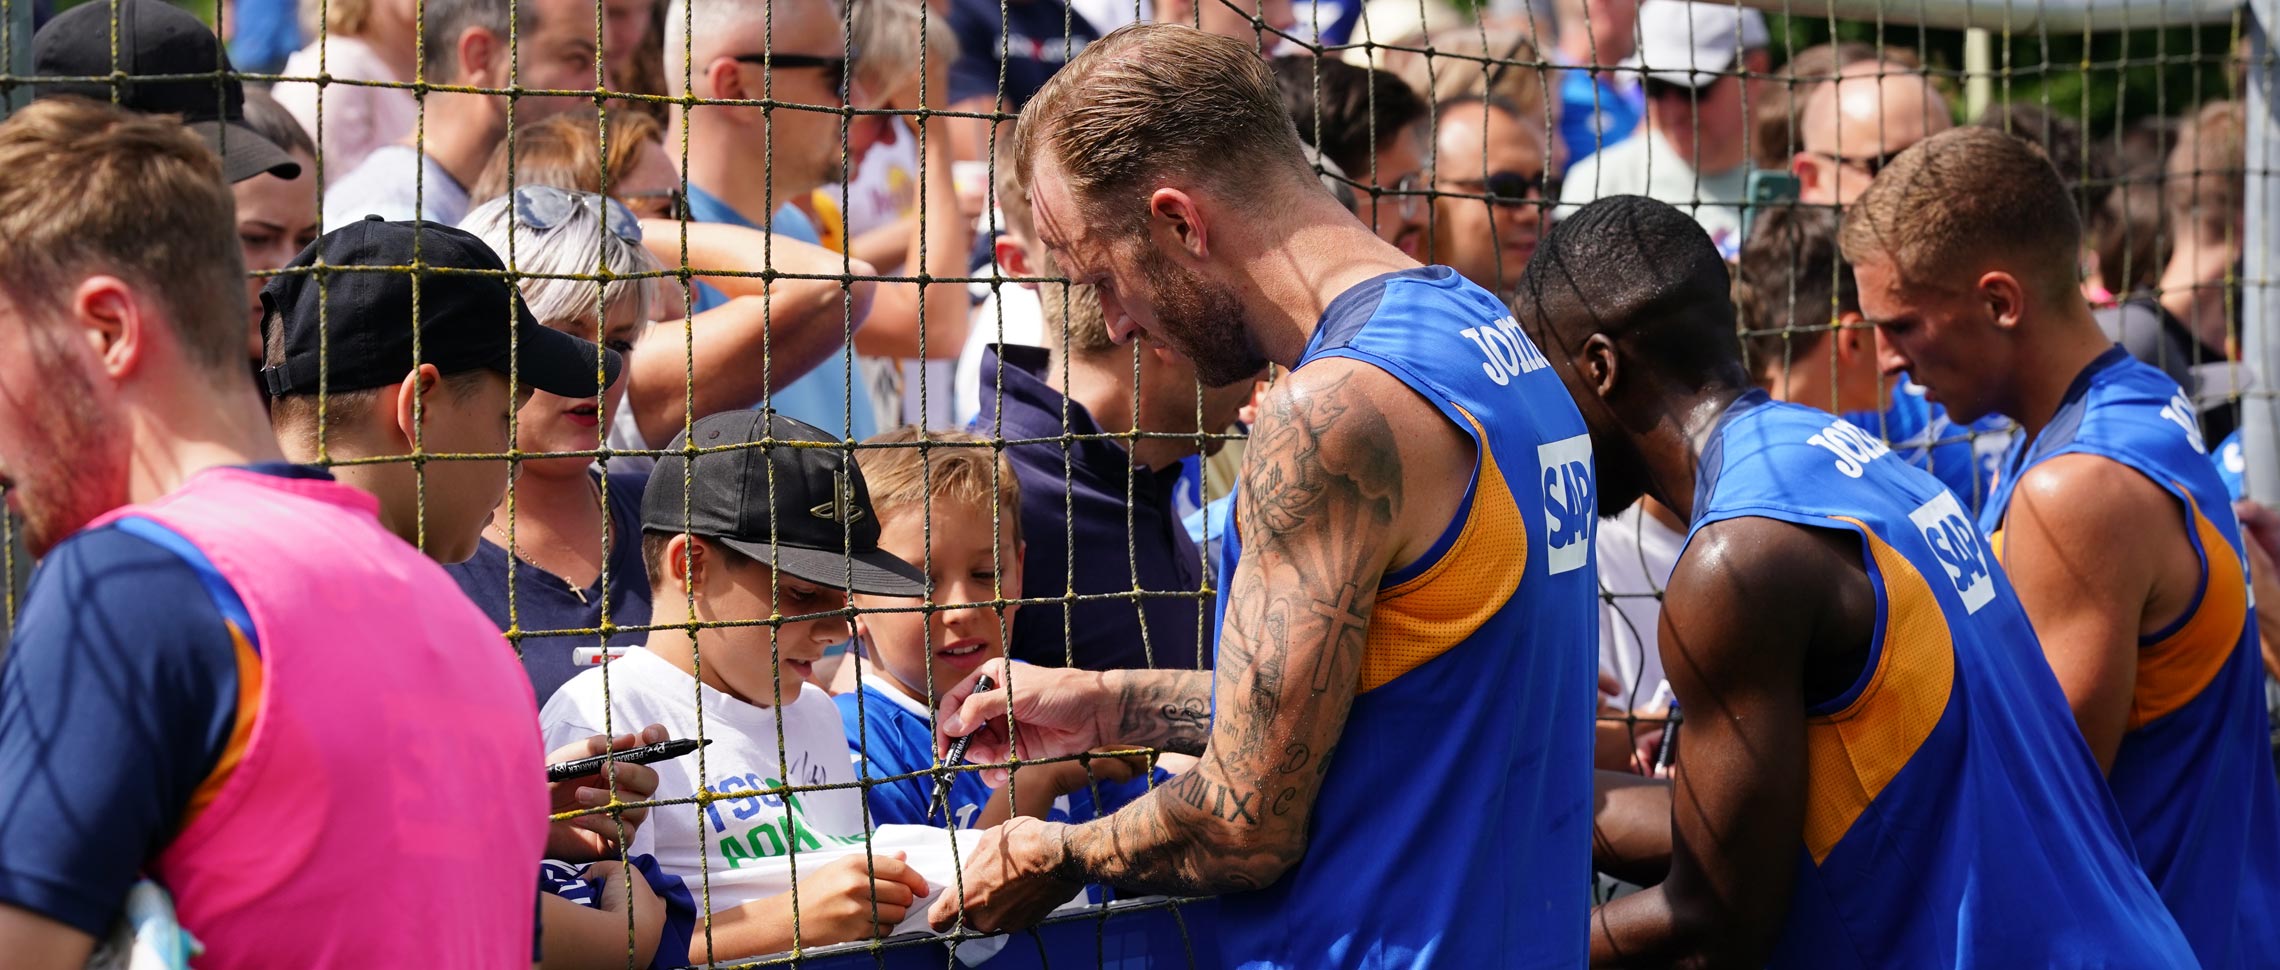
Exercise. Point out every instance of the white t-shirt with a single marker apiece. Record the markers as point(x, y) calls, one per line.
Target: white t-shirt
point(1636, 554)
point(1024, 318)
point(396, 183)
point(744, 843)
point(358, 119)
point(1645, 164)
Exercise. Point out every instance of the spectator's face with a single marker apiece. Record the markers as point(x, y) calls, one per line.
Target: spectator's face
point(1706, 126)
point(968, 562)
point(1143, 289)
point(276, 220)
point(550, 422)
point(461, 495)
point(1852, 128)
point(625, 25)
point(802, 145)
point(1484, 151)
point(651, 187)
point(1169, 400)
point(1232, 18)
point(1401, 205)
point(737, 589)
point(557, 55)
point(1945, 338)
point(62, 458)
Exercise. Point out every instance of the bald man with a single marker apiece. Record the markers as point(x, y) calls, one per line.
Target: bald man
point(1851, 128)
point(746, 164)
point(1491, 162)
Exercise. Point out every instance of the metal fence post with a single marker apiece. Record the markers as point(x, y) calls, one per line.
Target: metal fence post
point(2260, 291)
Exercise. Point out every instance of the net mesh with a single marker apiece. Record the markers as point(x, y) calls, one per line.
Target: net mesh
point(893, 297)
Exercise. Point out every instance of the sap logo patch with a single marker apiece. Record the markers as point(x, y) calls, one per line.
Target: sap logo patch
point(1571, 502)
point(1959, 548)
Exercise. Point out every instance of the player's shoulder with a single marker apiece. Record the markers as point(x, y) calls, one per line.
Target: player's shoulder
point(1346, 408)
point(126, 575)
point(2092, 494)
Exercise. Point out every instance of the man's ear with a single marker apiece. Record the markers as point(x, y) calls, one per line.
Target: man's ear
point(110, 319)
point(1852, 336)
point(724, 76)
point(480, 63)
point(416, 386)
point(1178, 221)
point(2004, 297)
point(1013, 257)
point(1598, 365)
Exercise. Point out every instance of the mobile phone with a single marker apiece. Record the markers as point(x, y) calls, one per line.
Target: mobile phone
point(1766, 188)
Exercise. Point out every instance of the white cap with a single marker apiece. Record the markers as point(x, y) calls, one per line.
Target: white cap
point(1691, 44)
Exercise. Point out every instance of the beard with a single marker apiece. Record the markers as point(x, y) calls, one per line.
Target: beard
point(1203, 321)
point(77, 467)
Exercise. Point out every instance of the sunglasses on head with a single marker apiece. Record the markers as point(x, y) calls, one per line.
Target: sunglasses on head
point(543, 207)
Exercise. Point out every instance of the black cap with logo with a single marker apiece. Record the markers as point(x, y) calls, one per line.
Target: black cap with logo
point(366, 340)
point(813, 521)
point(157, 38)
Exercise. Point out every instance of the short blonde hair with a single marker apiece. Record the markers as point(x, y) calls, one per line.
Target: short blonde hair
point(1151, 99)
point(1959, 199)
point(2208, 173)
point(886, 36)
point(86, 188)
point(919, 470)
point(565, 151)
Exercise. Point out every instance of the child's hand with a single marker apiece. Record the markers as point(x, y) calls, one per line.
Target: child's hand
point(836, 903)
point(590, 837)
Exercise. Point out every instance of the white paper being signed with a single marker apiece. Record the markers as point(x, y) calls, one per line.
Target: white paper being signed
point(936, 853)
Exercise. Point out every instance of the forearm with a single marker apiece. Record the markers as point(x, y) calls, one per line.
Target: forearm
point(758, 927)
point(801, 326)
point(1169, 710)
point(1630, 837)
point(575, 937)
point(1640, 930)
point(887, 246)
point(1197, 835)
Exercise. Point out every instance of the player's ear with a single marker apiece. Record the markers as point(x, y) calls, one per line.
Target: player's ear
point(1013, 257)
point(2004, 298)
point(1598, 364)
point(1852, 336)
point(1178, 221)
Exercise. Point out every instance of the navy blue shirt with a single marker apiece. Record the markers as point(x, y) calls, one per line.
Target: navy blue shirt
point(117, 697)
point(543, 601)
point(1038, 36)
point(1086, 487)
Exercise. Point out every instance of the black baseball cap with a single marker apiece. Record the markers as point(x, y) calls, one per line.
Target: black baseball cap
point(157, 38)
point(816, 510)
point(367, 337)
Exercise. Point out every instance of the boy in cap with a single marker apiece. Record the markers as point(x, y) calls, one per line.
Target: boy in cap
point(752, 545)
point(157, 39)
point(350, 377)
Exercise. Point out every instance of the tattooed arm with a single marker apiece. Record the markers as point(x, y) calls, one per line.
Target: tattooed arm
point(1323, 518)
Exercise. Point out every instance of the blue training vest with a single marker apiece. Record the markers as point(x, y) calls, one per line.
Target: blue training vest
point(1953, 815)
point(1453, 828)
point(2194, 774)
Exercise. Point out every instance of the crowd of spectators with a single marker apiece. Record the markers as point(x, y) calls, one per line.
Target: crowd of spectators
point(607, 279)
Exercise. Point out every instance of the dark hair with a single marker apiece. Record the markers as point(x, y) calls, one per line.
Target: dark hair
point(1791, 283)
point(270, 120)
point(1647, 275)
point(2130, 231)
point(1359, 110)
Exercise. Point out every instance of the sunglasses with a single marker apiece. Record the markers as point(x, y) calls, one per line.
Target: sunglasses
point(1510, 188)
point(836, 68)
point(544, 207)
